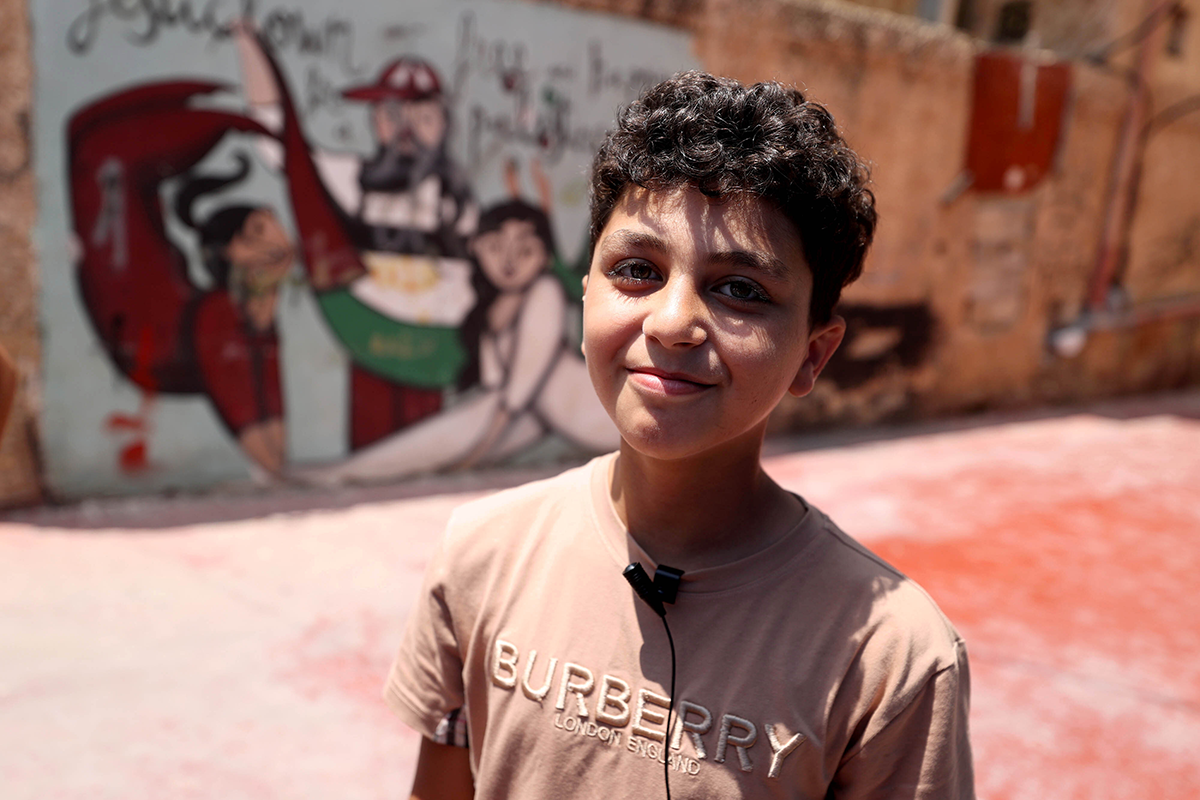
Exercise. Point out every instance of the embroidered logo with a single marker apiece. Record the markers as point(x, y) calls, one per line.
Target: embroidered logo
point(608, 710)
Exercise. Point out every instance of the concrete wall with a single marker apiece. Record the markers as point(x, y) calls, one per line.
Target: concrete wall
point(963, 288)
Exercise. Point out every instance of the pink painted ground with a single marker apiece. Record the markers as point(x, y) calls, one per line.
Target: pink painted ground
point(233, 647)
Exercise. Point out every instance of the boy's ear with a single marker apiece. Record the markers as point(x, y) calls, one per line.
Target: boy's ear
point(582, 349)
point(822, 342)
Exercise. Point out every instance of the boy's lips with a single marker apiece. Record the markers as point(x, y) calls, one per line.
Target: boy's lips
point(668, 383)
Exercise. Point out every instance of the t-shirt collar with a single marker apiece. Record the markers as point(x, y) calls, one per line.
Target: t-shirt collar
point(623, 548)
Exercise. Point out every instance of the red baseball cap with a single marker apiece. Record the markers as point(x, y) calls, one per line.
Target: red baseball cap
point(406, 78)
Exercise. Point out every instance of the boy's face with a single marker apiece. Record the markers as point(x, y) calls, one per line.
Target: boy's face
point(695, 320)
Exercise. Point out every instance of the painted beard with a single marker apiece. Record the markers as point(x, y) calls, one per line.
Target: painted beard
point(394, 171)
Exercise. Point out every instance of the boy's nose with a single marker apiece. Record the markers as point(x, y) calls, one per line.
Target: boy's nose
point(677, 316)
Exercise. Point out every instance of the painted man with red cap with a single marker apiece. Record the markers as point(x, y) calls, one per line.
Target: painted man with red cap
point(414, 198)
point(409, 211)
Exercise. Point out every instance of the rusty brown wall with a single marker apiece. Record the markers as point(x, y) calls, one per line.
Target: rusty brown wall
point(896, 6)
point(19, 335)
point(1165, 229)
point(1072, 28)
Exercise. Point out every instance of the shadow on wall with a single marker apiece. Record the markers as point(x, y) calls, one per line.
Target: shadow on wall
point(879, 338)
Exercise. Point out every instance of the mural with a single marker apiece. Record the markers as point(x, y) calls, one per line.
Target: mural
point(319, 243)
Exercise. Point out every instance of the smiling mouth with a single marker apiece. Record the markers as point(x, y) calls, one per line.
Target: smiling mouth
point(667, 383)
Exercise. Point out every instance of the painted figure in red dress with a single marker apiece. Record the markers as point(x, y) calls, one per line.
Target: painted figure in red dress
point(165, 333)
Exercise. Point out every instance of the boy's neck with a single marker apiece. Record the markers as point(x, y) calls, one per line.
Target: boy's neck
point(702, 511)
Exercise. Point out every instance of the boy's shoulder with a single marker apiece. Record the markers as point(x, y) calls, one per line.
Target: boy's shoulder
point(516, 503)
point(892, 615)
point(491, 528)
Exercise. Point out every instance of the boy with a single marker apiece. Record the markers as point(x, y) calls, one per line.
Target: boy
point(725, 221)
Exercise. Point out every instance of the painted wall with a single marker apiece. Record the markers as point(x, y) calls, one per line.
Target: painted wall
point(321, 241)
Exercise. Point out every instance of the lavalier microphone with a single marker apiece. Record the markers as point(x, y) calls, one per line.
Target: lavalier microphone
point(646, 590)
point(664, 588)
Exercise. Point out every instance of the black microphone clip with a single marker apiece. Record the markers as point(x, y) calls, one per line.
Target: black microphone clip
point(663, 589)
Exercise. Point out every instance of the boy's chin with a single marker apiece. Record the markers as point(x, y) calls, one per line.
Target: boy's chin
point(664, 445)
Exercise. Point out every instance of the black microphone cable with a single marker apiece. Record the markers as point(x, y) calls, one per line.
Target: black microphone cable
point(670, 710)
point(664, 587)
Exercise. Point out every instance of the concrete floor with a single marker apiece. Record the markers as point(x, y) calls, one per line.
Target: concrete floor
point(234, 647)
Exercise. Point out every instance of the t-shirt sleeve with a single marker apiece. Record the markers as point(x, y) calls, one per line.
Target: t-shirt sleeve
point(425, 684)
point(923, 752)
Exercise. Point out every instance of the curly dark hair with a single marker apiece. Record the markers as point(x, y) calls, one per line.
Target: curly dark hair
point(765, 140)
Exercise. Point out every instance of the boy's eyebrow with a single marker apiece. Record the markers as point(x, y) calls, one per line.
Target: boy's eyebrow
point(637, 240)
point(769, 265)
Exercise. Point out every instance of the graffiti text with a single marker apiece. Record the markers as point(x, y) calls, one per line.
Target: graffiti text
point(143, 21)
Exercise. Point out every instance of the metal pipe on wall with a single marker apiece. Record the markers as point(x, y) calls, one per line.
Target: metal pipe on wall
point(1114, 234)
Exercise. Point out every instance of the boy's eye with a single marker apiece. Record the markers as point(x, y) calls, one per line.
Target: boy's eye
point(742, 289)
point(635, 271)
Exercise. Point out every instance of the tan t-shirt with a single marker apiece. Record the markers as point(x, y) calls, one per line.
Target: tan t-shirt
point(811, 669)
